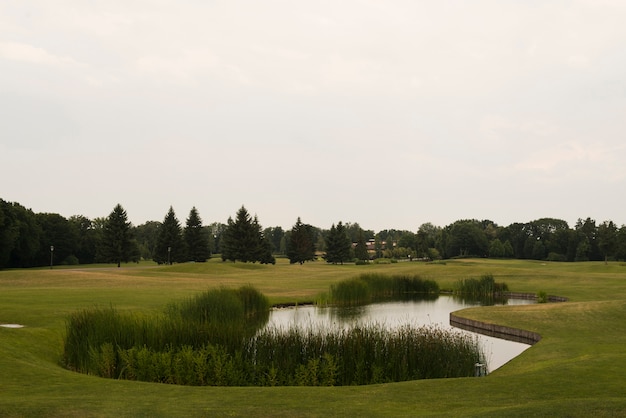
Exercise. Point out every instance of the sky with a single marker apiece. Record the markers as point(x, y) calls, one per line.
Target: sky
point(387, 113)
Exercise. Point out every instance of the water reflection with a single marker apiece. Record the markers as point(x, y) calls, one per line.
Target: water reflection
point(397, 313)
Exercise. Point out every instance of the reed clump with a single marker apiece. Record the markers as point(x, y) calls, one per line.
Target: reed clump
point(216, 338)
point(364, 354)
point(219, 317)
point(484, 287)
point(368, 288)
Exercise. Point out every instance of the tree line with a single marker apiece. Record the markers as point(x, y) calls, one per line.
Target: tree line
point(29, 239)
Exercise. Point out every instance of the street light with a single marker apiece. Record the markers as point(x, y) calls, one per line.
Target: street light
point(51, 255)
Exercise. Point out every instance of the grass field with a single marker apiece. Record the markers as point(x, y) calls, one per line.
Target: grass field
point(577, 369)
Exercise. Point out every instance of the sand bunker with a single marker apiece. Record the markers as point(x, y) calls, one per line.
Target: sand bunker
point(11, 325)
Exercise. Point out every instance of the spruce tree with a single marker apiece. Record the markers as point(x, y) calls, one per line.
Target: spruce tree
point(360, 250)
point(196, 238)
point(338, 244)
point(117, 242)
point(170, 246)
point(243, 240)
point(301, 246)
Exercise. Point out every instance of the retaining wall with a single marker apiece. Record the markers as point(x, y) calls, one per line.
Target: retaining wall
point(493, 330)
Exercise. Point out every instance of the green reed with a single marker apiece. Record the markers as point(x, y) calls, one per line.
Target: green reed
point(220, 317)
point(368, 288)
point(486, 286)
point(213, 339)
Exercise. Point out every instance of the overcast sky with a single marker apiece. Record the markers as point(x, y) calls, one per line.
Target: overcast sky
point(387, 113)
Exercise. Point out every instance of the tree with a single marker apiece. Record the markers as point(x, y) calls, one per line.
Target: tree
point(56, 231)
point(117, 241)
point(466, 238)
point(20, 236)
point(338, 245)
point(496, 249)
point(607, 239)
point(146, 235)
point(196, 238)
point(87, 239)
point(587, 248)
point(301, 246)
point(243, 240)
point(426, 238)
point(360, 250)
point(170, 246)
point(275, 235)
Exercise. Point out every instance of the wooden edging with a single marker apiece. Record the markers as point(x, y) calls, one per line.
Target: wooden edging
point(500, 331)
point(493, 330)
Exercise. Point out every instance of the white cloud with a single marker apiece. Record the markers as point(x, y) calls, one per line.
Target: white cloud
point(21, 52)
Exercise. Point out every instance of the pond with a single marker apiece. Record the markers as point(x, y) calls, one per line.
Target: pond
point(394, 314)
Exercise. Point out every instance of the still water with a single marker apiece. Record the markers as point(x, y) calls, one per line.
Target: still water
point(394, 314)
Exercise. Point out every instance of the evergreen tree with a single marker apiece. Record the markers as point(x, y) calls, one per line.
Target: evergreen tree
point(338, 245)
point(117, 242)
point(360, 250)
point(243, 240)
point(196, 238)
point(170, 246)
point(301, 243)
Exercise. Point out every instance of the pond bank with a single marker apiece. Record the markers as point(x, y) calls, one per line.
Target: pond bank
point(501, 331)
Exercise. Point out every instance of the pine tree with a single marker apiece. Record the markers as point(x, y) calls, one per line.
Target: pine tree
point(243, 240)
point(360, 250)
point(338, 244)
point(301, 246)
point(196, 238)
point(117, 241)
point(170, 246)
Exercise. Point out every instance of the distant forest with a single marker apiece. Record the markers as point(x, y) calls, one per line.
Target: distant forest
point(29, 239)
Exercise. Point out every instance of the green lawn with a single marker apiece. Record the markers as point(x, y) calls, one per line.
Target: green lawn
point(577, 369)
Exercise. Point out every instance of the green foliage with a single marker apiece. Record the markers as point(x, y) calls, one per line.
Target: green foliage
point(369, 288)
point(204, 341)
point(542, 297)
point(170, 246)
point(486, 286)
point(117, 241)
point(362, 355)
point(196, 238)
point(301, 246)
point(338, 245)
point(243, 240)
point(222, 317)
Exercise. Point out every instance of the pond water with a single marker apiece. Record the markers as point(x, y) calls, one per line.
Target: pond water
point(395, 314)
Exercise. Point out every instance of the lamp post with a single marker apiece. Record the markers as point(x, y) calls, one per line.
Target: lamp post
point(51, 255)
point(169, 252)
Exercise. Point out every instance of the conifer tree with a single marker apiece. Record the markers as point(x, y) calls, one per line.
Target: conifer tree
point(338, 244)
point(301, 246)
point(196, 238)
point(360, 250)
point(243, 240)
point(117, 241)
point(170, 246)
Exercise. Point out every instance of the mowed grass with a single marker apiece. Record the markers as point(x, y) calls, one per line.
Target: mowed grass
point(577, 369)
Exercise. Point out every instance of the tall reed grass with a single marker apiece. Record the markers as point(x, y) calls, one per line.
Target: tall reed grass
point(221, 317)
point(214, 339)
point(486, 286)
point(368, 288)
point(364, 354)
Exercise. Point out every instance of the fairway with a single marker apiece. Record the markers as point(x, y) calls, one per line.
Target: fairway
point(577, 369)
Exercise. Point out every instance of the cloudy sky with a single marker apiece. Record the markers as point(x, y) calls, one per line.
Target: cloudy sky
point(387, 113)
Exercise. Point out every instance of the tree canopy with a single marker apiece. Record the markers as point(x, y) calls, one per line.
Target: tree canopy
point(301, 246)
